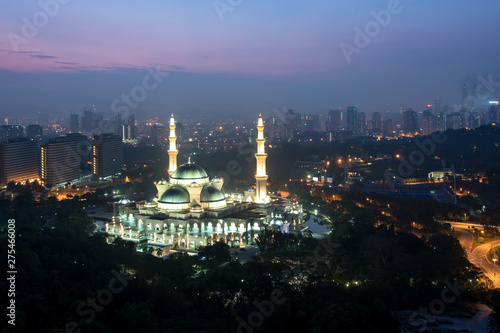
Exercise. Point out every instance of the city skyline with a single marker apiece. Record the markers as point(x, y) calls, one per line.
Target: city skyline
point(244, 58)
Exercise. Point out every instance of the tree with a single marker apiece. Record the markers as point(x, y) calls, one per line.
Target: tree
point(217, 253)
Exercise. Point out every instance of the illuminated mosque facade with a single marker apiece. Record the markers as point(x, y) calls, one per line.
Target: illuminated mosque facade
point(192, 210)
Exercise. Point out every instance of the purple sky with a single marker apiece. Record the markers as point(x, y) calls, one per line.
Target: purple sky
point(262, 55)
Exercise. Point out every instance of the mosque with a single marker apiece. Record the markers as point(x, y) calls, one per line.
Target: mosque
point(192, 210)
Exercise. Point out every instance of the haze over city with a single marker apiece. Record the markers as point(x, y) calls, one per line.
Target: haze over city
point(237, 59)
point(250, 166)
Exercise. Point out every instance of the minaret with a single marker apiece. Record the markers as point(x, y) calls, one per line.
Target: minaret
point(261, 176)
point(172, 152)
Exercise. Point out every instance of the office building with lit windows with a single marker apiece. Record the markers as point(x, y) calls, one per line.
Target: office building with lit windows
point(107, 155)
point(19, 161)
point(61, 159)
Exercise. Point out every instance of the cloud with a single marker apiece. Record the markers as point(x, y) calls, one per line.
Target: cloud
point(66, 63)
point(32, 54)
point(42, 56)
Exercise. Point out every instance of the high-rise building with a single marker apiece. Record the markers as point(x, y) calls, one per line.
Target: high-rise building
point(473, 119)
point(19, 160)
point(131, 119)
point(8, 132)
point(310, 122)
point(388, 128)
point(458, 120)
point(376, 122)
point(73, 123)
point(129, 132)
point(429, 123)
point(441, 122)
point(410, 123)
point(87, 122)
point(361, 123)
point(261, 175)
point(34, 132)
point(118, 125)
point(437, 106)
point(463, 103)
point(352, 119)
point(293, 121)
point(107, 154)
point(334, 119)
point(448, 121)
point(492, 114)
point(61, 159)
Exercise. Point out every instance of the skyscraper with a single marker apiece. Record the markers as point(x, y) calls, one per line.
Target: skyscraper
point(131, 119)
point(107, 154)
point(437, 106)
point(388, 128)
point(428, 123)
point(74, 126)
point(492, 114)
point(334, 119)
point(129, 132)
point(410, 123)
point(352, 119)
point(61, 159)
point(8, 132)
point(473, 119)
point(293, 121)
point(361, 123)
point(376, 122)
point(87, 121)
point(19, 160)
point(464, 96)
point(34, 132)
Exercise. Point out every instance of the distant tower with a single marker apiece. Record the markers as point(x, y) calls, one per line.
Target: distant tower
point(261, 176)
point(352, 119)
point(172, 152)
point(464, 95)
point(74, 122)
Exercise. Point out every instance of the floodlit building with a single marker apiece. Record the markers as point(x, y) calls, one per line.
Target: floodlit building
point(107, 155)
point(19, 160)
point(61, 159)
point(192, 210)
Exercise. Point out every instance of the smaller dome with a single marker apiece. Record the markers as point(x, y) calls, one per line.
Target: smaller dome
point(175, 195)
point(211, 194)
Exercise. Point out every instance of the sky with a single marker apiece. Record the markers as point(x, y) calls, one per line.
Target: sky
point(242, 57)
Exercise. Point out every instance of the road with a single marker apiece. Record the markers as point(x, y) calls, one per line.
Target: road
point(246, 255)
point(478, 255)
